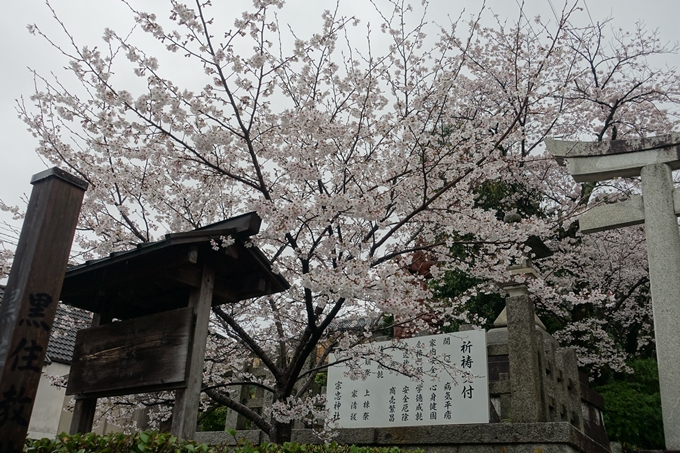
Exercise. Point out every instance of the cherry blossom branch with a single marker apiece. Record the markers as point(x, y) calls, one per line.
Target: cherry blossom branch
point(249, 341)
point(240, 408)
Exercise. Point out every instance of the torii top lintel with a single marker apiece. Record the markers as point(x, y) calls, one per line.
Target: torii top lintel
point(599, 161)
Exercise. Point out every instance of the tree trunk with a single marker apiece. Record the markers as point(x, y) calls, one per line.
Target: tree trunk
point(280, 432)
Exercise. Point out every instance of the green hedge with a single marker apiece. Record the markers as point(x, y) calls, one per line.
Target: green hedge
point(632, 407)
point(143, 442)
point(153, 442)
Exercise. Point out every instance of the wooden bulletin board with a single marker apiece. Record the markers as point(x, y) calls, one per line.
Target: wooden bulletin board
point(149, 353)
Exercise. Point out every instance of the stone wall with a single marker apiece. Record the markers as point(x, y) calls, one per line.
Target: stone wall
point(564, 392)
point(548, 437)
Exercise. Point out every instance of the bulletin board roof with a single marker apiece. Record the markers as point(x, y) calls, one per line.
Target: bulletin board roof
point(159, 276)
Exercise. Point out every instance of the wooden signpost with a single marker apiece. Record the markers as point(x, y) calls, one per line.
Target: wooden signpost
point(31, 297)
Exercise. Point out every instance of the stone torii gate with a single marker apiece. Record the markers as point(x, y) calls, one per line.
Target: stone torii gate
point(653, 159)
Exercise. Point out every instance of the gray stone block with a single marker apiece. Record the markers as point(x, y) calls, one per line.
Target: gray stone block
point(565, 148)
point(254, 437)
point(590, 162)
point(614, 215)
point(474, 438)
point(525, 372)
point(497, 340)
point(502, 320)
point(601, 168)
point(618, 215)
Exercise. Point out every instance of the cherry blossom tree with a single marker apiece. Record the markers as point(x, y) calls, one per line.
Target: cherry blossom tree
point(358, 155)
point(5, 261)
point(9, 236)
point(620, 96)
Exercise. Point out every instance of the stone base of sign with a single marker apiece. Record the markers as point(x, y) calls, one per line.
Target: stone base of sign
point(658, 451)
point(616, 448)
point(550, 437)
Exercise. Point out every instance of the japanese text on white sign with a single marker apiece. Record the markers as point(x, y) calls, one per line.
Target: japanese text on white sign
point(388, 398)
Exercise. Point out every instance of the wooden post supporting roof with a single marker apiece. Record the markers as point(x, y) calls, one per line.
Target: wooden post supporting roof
point(185, 411)
point(31, 297)
point(653, 159)
point(86, 406)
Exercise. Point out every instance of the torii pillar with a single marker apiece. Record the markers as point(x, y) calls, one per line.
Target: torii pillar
point(653, 159)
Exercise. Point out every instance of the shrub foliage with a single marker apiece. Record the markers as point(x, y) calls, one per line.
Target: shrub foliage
point(154, 442)
point(632, 407)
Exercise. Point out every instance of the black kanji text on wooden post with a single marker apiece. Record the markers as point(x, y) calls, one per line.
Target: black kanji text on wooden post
point(31, 297)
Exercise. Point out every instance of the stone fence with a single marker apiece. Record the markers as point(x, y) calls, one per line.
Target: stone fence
point(549, 437)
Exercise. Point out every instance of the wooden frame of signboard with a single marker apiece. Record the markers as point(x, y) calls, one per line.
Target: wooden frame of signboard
point(152, 310)
point(134, 356)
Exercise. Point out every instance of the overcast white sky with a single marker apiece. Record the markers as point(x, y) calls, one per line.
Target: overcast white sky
point(86, 19)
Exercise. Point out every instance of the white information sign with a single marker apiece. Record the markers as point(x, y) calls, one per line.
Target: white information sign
point(388, 398)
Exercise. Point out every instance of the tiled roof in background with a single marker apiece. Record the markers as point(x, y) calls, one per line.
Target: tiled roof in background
point(67, 322)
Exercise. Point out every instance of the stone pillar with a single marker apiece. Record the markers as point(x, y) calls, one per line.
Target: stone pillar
point(232, 416)
point(525, 372)
point(663, 251)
